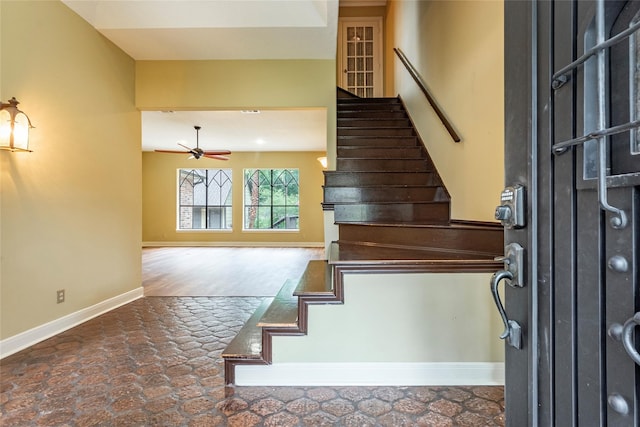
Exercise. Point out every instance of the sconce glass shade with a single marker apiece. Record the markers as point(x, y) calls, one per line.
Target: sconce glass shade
point(323, 161)
point(14, 127)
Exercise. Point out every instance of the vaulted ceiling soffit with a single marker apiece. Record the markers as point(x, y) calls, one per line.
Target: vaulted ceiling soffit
point(216, 29)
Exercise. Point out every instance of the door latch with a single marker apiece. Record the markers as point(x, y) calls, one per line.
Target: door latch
point(511, 212)
point(512, 329)
point(513, 260)
point(513, 275)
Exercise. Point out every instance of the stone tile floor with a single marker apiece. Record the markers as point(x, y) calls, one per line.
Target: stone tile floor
point(156, 362)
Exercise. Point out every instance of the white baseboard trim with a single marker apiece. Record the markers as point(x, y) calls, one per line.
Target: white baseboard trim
point(370, 374)
point(40, 333)
point(235, 244)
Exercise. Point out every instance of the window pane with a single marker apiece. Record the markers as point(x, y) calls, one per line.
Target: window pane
point(368, 33)
point(271, 199)
point(204, 200)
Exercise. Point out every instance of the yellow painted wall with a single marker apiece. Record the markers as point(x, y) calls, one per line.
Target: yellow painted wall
point(70, 211)
point(360, 11)
point(237, 84)
point(457, 47)
point(233, 85)
point(159, 198)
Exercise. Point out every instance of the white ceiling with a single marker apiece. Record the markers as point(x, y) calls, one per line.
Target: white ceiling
point(218, 30)
point(267, 130)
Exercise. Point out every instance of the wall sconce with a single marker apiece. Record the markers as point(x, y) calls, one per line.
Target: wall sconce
point(14, 127)
point(323, 161)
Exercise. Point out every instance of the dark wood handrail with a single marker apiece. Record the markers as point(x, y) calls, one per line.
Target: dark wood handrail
point(412, 71)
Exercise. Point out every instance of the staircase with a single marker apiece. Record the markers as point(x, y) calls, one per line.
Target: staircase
point(383, 173)
point(388, 199)
point(393, 214)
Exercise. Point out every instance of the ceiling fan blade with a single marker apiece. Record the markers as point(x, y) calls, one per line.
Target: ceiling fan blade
point(215, 156)
point(217, 152)
point(185, 147)
point(171, 151)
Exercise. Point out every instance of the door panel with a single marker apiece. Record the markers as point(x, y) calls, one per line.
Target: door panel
point(562, 301)
point(582, 280)
point(360, 56)
point(519, 388)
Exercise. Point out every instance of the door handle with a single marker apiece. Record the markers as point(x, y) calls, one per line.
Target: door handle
point(627, 337)
point(512, 329)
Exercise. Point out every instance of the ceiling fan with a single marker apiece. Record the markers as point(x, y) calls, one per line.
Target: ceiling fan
point(198, 152)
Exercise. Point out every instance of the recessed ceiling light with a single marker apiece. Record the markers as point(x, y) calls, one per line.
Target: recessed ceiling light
point(260, 141)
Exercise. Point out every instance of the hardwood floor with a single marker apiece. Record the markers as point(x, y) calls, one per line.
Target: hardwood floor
point(222, 271)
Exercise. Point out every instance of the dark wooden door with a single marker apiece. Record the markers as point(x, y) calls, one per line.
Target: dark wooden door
point(572, 71)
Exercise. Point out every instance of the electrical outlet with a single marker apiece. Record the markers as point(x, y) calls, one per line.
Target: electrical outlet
point(60, 295)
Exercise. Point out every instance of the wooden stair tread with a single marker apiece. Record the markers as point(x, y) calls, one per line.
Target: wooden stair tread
point(453, 224)
point(415, 224)
point(382, 194)
point(315, 281)
point(392, 202)
point(374, 186)
point(344, 113)
point(357, 99)
point(247, 344)
point(376, 137)
point(354, 178)
point(377, 173)
point(283, 310)
point(374, 127)
point(395, 157)
point(362, 255)
point(375, 147)
point(372, 141)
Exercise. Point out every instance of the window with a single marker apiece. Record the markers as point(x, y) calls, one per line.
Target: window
point(271, 199)
point(204, 199)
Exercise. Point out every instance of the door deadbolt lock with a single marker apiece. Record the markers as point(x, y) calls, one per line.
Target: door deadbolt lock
point(511, 212)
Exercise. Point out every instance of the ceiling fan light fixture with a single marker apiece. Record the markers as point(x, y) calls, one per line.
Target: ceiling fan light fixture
point(198, 152)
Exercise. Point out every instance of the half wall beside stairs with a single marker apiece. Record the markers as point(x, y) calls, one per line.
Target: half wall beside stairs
point(429, 329)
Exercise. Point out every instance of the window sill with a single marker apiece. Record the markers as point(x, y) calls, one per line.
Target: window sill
point(270, 230)
point(205, 230)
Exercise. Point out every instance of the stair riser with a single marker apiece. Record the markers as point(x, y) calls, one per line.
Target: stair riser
point(357, 100)
point(386, 122)
point(365, 104)
point(345, 131)
point(405, 165)
point(379, 153)
point(480, 240)
point(401, 141)
point(436, 212)
point(381, 194)
point(371, 107)
point(337, 178)
point(376, 114)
